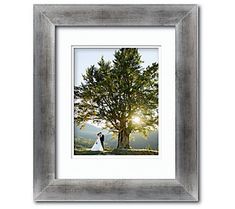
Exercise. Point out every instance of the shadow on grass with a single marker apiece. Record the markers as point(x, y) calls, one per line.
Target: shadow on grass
point(116, 152)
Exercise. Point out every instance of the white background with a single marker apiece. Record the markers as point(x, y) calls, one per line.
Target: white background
point(116, 167)
point(217, 106)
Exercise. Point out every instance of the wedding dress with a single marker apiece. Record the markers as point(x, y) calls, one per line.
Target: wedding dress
point(97, 145)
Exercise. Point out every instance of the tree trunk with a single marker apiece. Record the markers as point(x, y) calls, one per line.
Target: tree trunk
point(123, 139)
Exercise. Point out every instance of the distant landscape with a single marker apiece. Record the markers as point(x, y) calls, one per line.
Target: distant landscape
point(85, 138)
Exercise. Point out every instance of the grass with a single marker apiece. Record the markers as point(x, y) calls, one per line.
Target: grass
point(116, 152)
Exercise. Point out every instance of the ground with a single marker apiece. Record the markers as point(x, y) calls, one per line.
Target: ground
point(116, 152)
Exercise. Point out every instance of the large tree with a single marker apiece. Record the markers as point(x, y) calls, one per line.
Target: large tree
point(121, 95)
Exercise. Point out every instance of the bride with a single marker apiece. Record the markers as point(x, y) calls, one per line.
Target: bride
point(97, 145)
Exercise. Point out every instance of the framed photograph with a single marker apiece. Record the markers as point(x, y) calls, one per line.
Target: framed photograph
point(116, 103)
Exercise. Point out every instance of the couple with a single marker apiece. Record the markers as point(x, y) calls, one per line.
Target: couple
point(99, 143)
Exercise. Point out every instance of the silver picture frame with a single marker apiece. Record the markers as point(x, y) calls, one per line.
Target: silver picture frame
point(184, 18)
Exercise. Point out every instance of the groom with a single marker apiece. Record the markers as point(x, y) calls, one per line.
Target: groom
point(102, 139)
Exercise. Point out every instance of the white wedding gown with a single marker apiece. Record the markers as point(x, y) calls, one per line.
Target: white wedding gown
point(97, 145)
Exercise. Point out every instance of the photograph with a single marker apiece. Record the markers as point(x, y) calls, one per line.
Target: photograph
point(116, 100)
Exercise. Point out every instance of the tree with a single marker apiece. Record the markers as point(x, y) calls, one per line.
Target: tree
point(120, 94)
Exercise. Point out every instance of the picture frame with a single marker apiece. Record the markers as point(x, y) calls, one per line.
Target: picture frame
point(184, 18)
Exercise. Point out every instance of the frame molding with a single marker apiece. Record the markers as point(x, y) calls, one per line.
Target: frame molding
point(185, 20)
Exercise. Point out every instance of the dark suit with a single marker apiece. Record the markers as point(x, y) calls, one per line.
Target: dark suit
point(102, 140)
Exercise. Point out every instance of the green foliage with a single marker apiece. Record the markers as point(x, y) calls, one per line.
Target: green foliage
point(148, 147)
point(115, 92)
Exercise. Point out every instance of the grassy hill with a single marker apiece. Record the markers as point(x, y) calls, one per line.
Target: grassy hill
point(116, 152)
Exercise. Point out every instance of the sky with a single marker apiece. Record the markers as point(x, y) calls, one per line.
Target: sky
point(85, 57)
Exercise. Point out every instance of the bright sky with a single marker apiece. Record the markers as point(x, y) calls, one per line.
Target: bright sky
point(85, 57)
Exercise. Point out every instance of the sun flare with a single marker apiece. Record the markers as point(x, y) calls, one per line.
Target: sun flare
point(136, 120)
